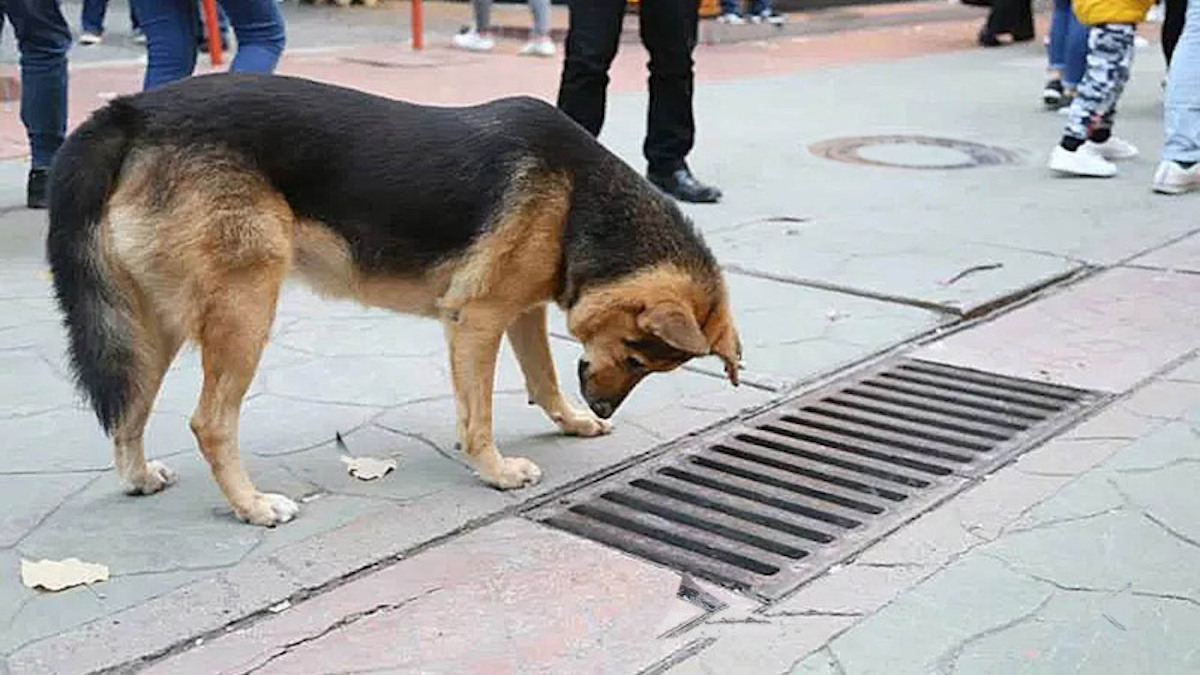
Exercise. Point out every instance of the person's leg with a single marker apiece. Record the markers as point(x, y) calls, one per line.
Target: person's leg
point(170, 28)
point(1110, 55)
point(482, 10)
point(1172, 27)
point(541, 18)
point(1056, 51)
point(260, 32)
point(592, 38)
point(91, 17)
point(43, 39)
point(999, 22)
point(539, 43)
point(1181, 108)
point(668, 29)
point(1022, 27)
point(1076, 54)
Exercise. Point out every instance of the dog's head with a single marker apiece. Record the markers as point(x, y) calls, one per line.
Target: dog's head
point(650, 322)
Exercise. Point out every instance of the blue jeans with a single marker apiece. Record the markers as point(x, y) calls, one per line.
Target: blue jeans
point(172, 30)
point(92, 16)
point(1181, 107)
point(1068, 44)
point(43, 39)
point(756, 6)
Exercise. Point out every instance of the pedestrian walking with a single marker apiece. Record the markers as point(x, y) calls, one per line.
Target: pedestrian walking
point(478, 38)
point(1088, 146)
point(760, 12)
point(1179, 170)
point(43, 39)
point(172, 34)
point(1066, 54)
point(1007, 17)
point(91, 18)
point(668, 30)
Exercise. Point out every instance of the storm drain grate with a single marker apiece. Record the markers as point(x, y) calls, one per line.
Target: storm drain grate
point(781, 497)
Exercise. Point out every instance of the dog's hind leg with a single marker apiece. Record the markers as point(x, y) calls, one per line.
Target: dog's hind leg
point(156, 347)
point(233, 330)
point(531, 343)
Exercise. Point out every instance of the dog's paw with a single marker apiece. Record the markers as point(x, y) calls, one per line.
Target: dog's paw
point(269, 510)
point(582, 423)
point(156, 478)
point(512, 473)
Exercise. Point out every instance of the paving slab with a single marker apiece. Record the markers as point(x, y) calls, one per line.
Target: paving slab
point(1181, 256)
point(1108, 333)
point(511, 597)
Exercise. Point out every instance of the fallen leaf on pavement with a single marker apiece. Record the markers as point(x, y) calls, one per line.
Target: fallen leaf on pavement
point(55, 575)
point(368, 468)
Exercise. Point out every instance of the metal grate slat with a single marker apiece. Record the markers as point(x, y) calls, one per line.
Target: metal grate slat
point(765, 504)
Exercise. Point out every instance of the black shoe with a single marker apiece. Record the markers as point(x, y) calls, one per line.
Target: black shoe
point(682, 185)
point(987, 39)
point(1022, 37)
point(35, 189)
point(1052, 94)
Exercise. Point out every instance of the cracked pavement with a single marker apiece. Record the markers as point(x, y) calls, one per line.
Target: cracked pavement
point(1082, 553)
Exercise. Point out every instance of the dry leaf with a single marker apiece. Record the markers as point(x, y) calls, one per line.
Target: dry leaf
point(368, 468)
point(55, 575)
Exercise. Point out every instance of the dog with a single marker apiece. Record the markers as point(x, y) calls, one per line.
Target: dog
point(176, 214)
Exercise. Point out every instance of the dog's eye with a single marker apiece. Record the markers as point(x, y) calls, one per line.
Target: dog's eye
point(634, 364)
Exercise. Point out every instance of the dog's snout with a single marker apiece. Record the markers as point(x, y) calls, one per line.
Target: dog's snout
point(604, 408)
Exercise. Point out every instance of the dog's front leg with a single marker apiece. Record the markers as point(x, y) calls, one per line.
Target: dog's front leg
point(531, 343)
point(474, 334)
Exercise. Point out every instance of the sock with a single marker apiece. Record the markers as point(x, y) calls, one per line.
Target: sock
point(1100, 135)
point(1071, 143)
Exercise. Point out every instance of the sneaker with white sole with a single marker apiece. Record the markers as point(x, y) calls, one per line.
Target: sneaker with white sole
point(1173, 179)
point(539, 47)
point(1085, 161)
point(1115, 148)
point(731, 18)
point(87, 37)
point(473, 41)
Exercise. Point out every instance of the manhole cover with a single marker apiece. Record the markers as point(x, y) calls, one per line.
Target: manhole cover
point(778, 499)
point(913, 152)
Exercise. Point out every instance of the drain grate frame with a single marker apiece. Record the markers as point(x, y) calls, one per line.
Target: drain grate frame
point(770, 502)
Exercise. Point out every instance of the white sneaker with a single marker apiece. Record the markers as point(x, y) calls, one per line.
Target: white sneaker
point(1115, 148)
point(89, 38)
point(539, 47)
point(473, 41)
point(1086, 161)
point(731, 18)
point(1172, 179)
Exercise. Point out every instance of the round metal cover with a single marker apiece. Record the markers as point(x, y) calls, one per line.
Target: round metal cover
point(913, 152)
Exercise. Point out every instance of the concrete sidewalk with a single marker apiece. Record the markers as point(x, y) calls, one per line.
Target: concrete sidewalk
point(833, 263)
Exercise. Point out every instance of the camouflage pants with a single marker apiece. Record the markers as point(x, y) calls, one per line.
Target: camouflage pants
point(1110, 55)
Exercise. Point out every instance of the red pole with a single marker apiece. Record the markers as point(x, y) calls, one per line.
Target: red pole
point(418, 27)
point(214, 31)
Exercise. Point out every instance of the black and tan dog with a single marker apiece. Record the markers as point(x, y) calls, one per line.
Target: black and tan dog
point(176, 214)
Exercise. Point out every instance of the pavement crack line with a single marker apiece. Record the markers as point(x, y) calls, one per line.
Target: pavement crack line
point(343, 622)
point(784, 613)
point(1054, 522)
point(1170, 530)
point(1178, 461)
point(948, 662)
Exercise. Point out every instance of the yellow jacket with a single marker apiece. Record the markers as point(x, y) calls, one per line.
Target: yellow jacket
point(1095, 12)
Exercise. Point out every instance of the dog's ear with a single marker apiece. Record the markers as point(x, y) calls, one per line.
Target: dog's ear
point(676, 326)
point(725, 341)
point(729, 347)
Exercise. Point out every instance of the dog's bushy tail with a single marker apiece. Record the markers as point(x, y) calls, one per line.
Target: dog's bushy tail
point(97, 315)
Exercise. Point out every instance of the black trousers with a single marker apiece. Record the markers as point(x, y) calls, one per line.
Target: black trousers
point(668, 30)
point(1011, 17)
point(1172, 26)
